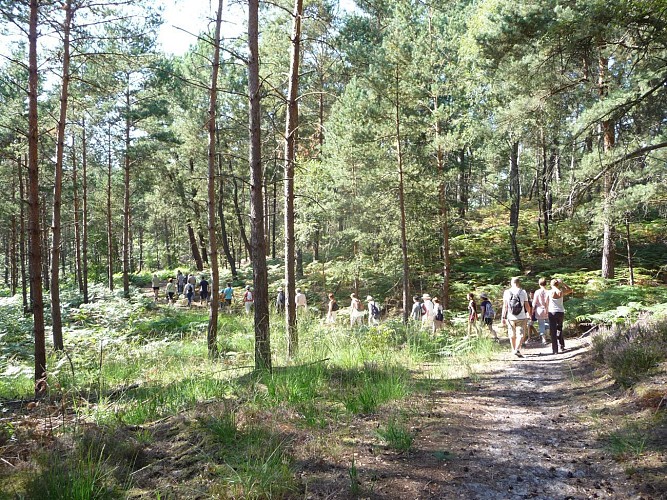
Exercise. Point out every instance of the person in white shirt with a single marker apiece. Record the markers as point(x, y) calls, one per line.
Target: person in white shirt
point(540, 309)
point(301, 303)
point(248, 299)
point(373, 311)
point(516, 311)
point(427, 311)
point(557, 313)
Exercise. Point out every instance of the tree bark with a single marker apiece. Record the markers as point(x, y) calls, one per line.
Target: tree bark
point(84, 213)
point(77, 224)
point(126, 194)
point(609, 139)
point(109, 227)
point(260, 278)
point(56, 318)
point(515, 199)
point(22, 242)
point(401, 201)
point(212, 337)
point(34, 212)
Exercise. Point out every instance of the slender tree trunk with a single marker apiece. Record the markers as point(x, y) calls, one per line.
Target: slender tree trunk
point(77, 224)
point(628, 247)
point(260, 275)
point(194, 248)
point(109, 228)
point(126, 195)
point(33, 191)
point(462, 184)
point(46, 269)
point(229, 255)
point(515, 199)
point(13, 257)
point(22, 242)
point(239, 213)
point(84, 214)
point(291, 124)
point(212, 337)
point(609, 139)
point(401, 200)
point(274, 216)
point(56, 319)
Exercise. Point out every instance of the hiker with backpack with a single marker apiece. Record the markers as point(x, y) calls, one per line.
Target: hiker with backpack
point(438, 315)
point(332, 310)
point(488, 314)
point(373, 312)
point(516, 311)
point(248, 299)
point(416, 312)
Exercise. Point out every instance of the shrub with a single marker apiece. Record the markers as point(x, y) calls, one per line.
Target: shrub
point(631, 351)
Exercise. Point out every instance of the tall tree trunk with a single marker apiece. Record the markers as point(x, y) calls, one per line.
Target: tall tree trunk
point(33, 193)
point(84, 214)
point(22, 242)
point(194, 248)
point(274, 216)
point(56, 318)
point(291, 124)
point(515, 199)
point(126, 194)
point(13, 257)
point(229, 255)
point(77, 224)
point(609, 139)
point(462, 184)
point(46, 269)
point(109, 227)
point(401, 200)
point(212, 337)
point(239, 213)
point(259, 268)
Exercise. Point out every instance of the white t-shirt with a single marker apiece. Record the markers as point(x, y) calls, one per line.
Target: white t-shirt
point(300, 300)
point(540, 303)
point(555, 304)
point(523, 298)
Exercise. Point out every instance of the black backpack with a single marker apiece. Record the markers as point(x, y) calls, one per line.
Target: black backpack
point(516, 307)
point(334, 306)
point(438, 315)
point(375, 312)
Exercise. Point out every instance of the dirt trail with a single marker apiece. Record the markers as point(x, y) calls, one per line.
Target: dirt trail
point(521, 430)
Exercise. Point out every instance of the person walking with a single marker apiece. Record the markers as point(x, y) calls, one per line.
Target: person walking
point(189, 291)
point(473, 318)
point(301, 302)
point(180, 281)
point(515, 313)
point(203, 291)
point(373, 311)
point(356, 310)
point(170, 291)
point(541, 309)
point(438, 315)
point(487, 312)
point(332, 310)
point(416, 312)
point(227, 297)
point(557, 313)
point(248, 299)
point(280, 301)
point(155, 283)
point(427, 311)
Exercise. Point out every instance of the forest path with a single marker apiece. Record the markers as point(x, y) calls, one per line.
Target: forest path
point(521, 429)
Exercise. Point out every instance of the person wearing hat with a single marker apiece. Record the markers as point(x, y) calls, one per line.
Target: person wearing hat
point(488, 314)
point(427, 311)
point(280, 300)
point(248, 299)
point(356, 310)
point(373, 312)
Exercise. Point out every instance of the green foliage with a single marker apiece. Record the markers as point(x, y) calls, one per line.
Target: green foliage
point(396, 434)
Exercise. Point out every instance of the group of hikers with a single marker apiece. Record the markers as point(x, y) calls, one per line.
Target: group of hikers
point(521, 310)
